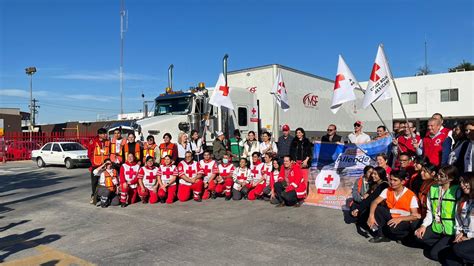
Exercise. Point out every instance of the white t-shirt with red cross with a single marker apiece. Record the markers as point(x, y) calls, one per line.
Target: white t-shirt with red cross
point(166, 172)
point(191, 170)
point(208, 169)
point(256, 172)
point(241, 174)
point(149, 176)
point(226, 170)
point(130, 173)
point(267, 172)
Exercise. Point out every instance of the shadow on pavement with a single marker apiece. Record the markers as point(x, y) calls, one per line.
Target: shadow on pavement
point(30, 181)
point(11, 225)
point(34, 197)
point(15, 243)
point(50, 263)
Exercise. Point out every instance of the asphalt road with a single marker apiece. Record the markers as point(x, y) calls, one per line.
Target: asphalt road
point(46, 218)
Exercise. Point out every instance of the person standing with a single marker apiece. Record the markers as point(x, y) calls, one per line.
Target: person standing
point(301, 149)
point(267, 145)
point(183, 146)
point(463, 156)
point(151, 149)
point(251, 145)
point(168, 148)
point(331, 135)
point(98, 152)
point(132, 146)
point(381, 133)
point(284, 143)
point(218, 147)
point(436, 145)
point(358, 137)
point(116, 149)
point(404, 143)
point(197, 145)
point(236, 146)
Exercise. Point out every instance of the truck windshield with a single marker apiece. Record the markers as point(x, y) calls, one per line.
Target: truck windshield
point(175, 106)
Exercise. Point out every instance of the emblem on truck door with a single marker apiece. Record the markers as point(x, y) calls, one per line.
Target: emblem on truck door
point(310, 100)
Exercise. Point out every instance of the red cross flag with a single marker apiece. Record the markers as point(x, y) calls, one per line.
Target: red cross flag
point(280, 92)
point(380, 82)
point(343, 86)
point(221, 95)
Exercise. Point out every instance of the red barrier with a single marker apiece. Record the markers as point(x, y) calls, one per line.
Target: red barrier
point(18, 146)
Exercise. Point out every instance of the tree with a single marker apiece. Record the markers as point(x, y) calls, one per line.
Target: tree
point(466, 66)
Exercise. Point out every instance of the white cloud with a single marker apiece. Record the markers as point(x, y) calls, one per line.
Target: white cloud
point(105, 76)
point(21, 93)
point(89, 97)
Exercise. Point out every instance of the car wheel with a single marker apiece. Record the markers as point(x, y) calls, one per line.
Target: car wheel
point(40, 162)
point(69, 163)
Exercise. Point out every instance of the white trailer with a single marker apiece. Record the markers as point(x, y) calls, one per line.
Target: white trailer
point(309, 99)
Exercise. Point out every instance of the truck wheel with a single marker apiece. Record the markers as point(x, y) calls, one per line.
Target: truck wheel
point(69, 163)
point(39, 162)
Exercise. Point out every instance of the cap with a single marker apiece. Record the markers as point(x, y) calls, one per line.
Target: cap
point(101, 131)
point(285, 128)
point(219, 133)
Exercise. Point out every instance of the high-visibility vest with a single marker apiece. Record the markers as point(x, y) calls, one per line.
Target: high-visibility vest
point(101, 153)
point(137, 150)
point(448, 210)
point(148, 151)
point(166, 149)
point(113, 148)
point(400, 207)
point(109, 183)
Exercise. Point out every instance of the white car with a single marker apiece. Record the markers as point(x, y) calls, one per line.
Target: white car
point(70, 154)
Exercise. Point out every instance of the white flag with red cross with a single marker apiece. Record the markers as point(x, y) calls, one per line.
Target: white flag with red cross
point(280, 93)
point(380, 81)
point(344, 86)
point(221, 95)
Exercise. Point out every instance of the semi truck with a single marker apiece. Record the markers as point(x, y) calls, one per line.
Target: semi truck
point(255, 108)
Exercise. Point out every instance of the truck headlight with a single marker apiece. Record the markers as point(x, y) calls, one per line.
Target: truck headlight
point(184, 126)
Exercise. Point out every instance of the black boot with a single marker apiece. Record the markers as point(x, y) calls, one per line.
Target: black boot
point(123, 205)
point(228, 197)
point(213, 195)
point(162, 200)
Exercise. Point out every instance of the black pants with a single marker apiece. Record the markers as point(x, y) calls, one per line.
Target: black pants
point(94, 181)
point(437, 243)
point(239, 194)
point(459, 253)
point(289, 198)
point(382, 216)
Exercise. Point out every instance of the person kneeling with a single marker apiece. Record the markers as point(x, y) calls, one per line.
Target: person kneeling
point(242, 179)
point(108, 182)
point(394, 220)
point(190, 174)
point(148, 181)
point(290, 190)
point(167, 181)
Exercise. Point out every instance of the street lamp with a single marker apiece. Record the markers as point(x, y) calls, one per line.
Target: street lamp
point(30, 71)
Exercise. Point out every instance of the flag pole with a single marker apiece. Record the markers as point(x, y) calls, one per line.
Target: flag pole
point(398, 94)
point(224, 70)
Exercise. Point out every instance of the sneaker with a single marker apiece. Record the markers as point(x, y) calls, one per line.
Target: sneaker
point(92, 200)
point(379, 239)
point(123, 205)
point(162, 201)
point(103, 205)
point(213, 195)
point(280, 205)
point(298, 204)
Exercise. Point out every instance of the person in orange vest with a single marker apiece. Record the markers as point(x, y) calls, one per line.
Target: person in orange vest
point(360, 190)
point(394, 220)
point(108, 184)
point(151, 149)
point(98, 151)
point(168, 148)
point(132, 147)
point(116, 149)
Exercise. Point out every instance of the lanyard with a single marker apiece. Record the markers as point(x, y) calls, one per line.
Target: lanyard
point(440, 201)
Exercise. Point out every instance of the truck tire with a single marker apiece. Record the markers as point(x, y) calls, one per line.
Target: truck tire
point(69, 164)
point(40, 163)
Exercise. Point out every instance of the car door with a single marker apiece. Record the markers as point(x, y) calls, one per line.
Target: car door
point(57, 154)
point(46, 153)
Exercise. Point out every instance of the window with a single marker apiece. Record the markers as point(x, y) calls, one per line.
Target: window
point(47, 147)
point(449, 95)
point(409, 97)
point(56, 148)
point(72, 147)
point(242, 115)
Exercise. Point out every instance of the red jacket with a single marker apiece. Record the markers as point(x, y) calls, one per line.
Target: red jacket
point(406, 145)
point(295, 180)
point(433, 147)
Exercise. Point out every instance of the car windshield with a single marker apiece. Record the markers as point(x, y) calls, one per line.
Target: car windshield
point(176, 106)
point(72, 147)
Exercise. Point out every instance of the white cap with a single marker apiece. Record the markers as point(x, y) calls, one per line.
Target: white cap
point(219, 133)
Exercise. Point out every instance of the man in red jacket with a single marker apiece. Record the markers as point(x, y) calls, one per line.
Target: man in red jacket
point(98, 151)
point(436, 146)
point(290, 189)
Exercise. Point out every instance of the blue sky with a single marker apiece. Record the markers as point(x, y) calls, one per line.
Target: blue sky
point(75, 44)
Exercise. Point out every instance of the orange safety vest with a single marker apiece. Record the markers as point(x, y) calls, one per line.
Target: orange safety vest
point(137, 151)
point(109, 183)
point(148, 151)
point(359, 188)
point(113, 154)
point(101, 153)
point(400, 207)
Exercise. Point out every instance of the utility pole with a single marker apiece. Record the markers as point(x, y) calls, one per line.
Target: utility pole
point(123, 29)
point(34, 110)
point(30, 71)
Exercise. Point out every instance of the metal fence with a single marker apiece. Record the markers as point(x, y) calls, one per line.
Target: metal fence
point(16, 146)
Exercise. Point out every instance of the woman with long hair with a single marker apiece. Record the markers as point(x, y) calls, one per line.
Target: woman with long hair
point(183, 146)
point(301, 149)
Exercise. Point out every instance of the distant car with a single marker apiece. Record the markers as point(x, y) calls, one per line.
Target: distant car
point(70, 154)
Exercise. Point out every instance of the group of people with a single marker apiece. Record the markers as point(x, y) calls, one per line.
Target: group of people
point(421, 192)
point(124, 171)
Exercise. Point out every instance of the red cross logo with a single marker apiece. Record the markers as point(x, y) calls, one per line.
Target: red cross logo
point(281, 85)
point(167, 173)
point(254, 171)
point(242, 177)
point(339, 78)
point(224, 172)
point(373, 76)
point(225, 90)
point(328, 179)
point(151, 177)
point(253, 89)
point(206, 170)
point(190, 172)
point(130, 173)
point(254, 111)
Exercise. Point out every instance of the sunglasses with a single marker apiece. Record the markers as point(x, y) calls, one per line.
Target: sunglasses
point(330, 130)
point(356, 125)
